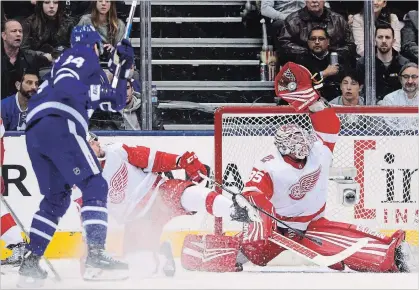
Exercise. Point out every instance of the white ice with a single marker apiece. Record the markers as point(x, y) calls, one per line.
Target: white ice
point(251, 278)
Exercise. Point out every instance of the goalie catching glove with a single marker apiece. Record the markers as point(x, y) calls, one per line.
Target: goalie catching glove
point(295, 85)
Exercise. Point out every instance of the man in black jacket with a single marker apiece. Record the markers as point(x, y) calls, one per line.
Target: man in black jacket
point(318, 62)
point(388, 62)
point(295, 33)
point(410, 36)
point(14, 60)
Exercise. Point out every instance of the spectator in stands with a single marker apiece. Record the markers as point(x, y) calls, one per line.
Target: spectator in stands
point(317, 60)
point(350, 86)
point(410, 36)
point(294, 35)
point(127, 119)
point(275, 13)
point(14, 108)
point(346, 8)
point(48, 30)
point(408, 94)
point(382, 16)
point(388, 62)
point(104, 18)
point(14, 59)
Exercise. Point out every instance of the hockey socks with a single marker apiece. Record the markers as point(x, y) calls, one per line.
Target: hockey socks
point(199, 199)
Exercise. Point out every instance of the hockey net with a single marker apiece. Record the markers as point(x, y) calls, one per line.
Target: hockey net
point(381, 143)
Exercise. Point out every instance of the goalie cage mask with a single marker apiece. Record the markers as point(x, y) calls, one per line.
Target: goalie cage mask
point(292, 139)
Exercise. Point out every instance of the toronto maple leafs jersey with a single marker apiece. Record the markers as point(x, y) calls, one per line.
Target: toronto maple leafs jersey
point(76, 83)
point(298, 194)
point(14, 118)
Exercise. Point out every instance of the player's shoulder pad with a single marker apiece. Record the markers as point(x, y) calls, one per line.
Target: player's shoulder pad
point(81, 59)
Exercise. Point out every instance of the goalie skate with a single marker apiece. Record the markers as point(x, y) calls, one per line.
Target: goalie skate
point(99, 266)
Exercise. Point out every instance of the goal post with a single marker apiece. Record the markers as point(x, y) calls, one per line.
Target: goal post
point(377, 145)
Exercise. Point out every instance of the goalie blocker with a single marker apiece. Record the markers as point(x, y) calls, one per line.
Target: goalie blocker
point(219, 253)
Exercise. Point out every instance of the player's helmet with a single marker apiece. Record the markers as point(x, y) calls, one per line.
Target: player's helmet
point(292, 139)
point(86, 35)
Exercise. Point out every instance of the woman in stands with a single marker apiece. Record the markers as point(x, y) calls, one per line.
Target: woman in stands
point(382, 15)
point(48, 30)
point(104, 18)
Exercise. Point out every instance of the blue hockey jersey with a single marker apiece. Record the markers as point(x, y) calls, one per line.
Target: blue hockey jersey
point(14, 118)
point(76, 83)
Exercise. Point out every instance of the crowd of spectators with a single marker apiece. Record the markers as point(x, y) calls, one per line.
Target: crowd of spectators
point(35, 33)
point(308, 32)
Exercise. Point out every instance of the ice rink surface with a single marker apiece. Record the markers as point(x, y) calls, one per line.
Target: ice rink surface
point(251, 278)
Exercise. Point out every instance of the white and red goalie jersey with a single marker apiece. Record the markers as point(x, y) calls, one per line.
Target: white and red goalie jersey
point(298, 194)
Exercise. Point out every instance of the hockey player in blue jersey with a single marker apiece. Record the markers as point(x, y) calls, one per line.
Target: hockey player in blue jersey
point(57, 126)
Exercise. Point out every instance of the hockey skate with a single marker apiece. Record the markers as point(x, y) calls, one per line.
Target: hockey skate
point(15, 259)
point(405, 259)
point(31, 275)
point(99, 266)
point(166, 263)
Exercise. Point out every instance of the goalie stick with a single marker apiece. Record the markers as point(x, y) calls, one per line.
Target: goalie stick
point(312, 256)
point(19, 223)
point(126, 36)
point(297, 248)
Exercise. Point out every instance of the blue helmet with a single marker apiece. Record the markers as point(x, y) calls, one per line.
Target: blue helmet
point(86, 35)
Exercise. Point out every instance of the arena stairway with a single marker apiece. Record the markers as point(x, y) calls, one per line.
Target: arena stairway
point(203, 57)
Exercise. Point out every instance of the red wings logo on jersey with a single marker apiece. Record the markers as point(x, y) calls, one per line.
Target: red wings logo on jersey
point(305, 184)
point(118, 184)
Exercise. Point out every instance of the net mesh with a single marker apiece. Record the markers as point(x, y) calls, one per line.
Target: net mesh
point(383, 147)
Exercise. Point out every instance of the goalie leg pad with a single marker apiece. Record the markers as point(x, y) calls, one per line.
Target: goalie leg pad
point(377, 256)
point(211, 253)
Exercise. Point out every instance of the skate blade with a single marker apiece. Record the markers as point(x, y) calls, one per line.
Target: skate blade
point(29, 282)
point(95, 274)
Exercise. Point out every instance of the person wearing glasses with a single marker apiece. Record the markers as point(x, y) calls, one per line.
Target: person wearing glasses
point(408, 94)
point(325, 65)
point(297, 26)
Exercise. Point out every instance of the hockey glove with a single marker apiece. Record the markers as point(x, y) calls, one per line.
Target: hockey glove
point(295, 84)
point(190, 162)
point(123, 55)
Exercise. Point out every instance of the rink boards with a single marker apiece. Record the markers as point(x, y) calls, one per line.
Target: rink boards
point(24, 196)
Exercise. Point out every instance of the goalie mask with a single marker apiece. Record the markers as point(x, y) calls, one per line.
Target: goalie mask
point(292, 139)
point(295, 84)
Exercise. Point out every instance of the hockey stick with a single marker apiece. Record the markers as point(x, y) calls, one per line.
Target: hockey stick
point(312, 256)
point(19, 223)
point(298, 232)
point(126, 36)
